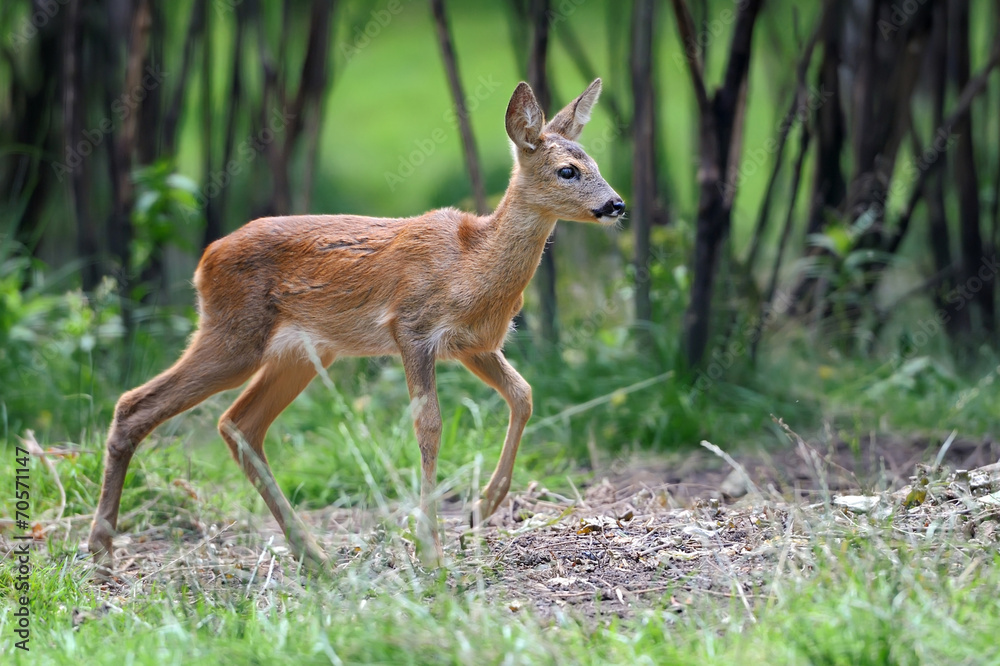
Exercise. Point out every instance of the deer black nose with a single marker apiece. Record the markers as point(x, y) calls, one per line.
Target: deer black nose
point(613, 208)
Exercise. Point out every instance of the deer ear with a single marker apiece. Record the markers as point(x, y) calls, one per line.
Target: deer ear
point(570, 121)
point(524, 118)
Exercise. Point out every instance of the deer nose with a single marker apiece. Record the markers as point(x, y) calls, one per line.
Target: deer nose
point(613, 208)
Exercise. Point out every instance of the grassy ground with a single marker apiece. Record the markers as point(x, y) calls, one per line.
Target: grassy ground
point(865, 594)
point(868, 596)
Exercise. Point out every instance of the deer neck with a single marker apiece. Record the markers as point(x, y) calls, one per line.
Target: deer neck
point(518, 230)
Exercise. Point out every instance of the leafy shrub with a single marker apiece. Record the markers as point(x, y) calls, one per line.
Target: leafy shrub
point(51, 345)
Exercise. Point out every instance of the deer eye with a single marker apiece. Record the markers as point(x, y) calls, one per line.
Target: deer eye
point(568, 172)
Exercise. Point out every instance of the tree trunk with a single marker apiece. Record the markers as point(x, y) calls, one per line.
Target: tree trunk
point(313, 78)
point(720, 138)
point(643, 155)
point(539, 81)
point(887, 71)
point(974, 255)
point(215, 229)
point(461, 112)
point(27, 177)
point(829, 188)
point(195, 31)
point(74, 109)
point(213, 214)
point(938, 235)
point(122, 151)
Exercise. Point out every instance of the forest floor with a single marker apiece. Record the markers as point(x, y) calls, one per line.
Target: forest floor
point(653, 532)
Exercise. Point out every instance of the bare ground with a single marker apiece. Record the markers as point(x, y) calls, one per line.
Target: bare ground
point(659, 531)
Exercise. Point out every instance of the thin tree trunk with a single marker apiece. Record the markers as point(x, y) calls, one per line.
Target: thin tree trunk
point(74, 108)
point(213, 217)
point(461, 111)
point(937, 219)
point(829, 188)
point(195, 31)
point(643, 155)
point(154, 273)
point(887, 74)
point(786, 232)
point(995, 232)
point(796, 110)
point(215, 230)
point(967, 181)
point(313, 80)
point(538, 13)
point(719, 138)
point(28, 178)
point(150, 121)
point(120, 227)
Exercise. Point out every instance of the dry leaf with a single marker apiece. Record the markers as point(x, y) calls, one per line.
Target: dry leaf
point(187, 487)
point(560, 581)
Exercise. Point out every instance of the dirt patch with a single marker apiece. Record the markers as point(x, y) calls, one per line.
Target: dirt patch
point(804, 471)
point(675, 526)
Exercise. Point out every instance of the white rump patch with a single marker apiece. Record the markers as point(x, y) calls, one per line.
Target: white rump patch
point(295, 341)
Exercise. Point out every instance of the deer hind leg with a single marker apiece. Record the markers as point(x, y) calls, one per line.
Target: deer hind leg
point(418, 364)
point(495, 371)
point(244, 425)
point(203, 370)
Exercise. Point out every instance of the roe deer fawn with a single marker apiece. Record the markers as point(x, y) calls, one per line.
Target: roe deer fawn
point(284, 296)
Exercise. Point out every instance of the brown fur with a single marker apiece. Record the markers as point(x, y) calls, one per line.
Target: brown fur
point(281, 297)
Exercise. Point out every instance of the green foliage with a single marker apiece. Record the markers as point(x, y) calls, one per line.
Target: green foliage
point(847, 271)
point(50, 341)
point(166, 210)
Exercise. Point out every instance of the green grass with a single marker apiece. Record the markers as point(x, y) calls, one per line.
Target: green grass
point(869, 597)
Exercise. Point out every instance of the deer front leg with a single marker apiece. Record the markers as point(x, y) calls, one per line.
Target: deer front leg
point(420, 380)
point(494, 369)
